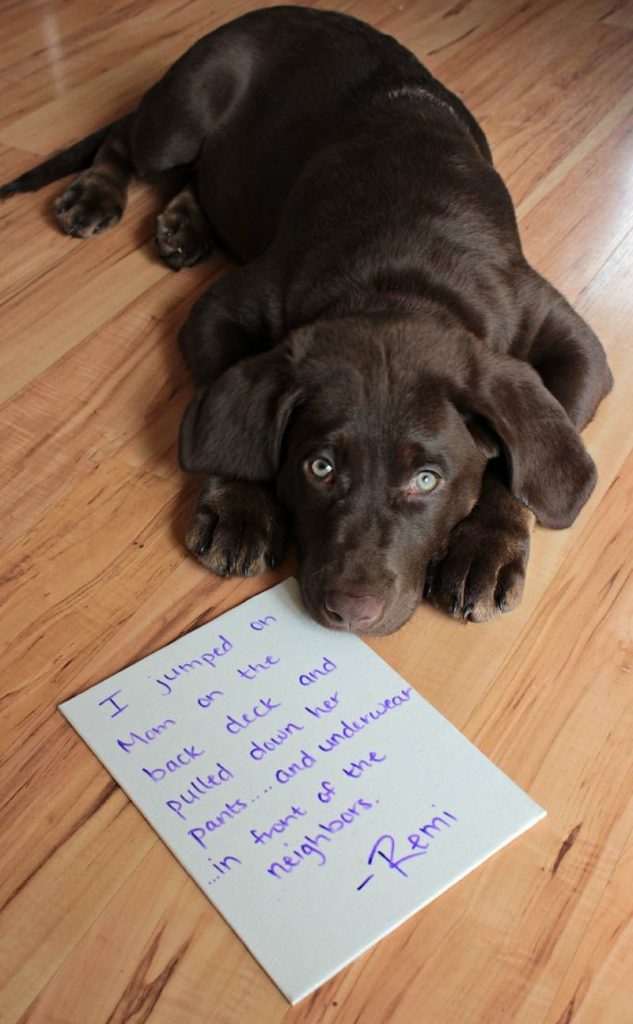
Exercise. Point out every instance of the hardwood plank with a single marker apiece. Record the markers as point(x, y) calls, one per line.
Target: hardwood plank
point(173, 957)
point(620, 15)
point(72, 318)
point(121, 391)
point(598, 984)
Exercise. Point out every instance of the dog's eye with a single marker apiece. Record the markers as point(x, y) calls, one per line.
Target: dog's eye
point(321, 468)
point(424, 482)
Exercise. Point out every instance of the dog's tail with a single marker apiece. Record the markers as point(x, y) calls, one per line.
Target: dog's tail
point(67, 161)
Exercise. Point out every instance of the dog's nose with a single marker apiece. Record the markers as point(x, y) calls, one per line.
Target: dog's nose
point(353, 611)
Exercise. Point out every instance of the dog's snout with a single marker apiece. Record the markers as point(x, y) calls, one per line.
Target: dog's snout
point(356, 612)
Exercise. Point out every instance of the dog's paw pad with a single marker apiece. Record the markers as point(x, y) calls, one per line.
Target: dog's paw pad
point(89, 206)
point(235, 539)
point(479, 577)
point(183, 237)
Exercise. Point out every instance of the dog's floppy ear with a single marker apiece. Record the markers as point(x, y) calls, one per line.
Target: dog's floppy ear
point(551, 471)
point(235, 427)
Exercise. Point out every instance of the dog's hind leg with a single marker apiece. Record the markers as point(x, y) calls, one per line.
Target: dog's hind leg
point(96, 200)
point(183, 233)
point(167, 131)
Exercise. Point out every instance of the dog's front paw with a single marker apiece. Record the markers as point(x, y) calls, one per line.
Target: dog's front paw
point(482, 573)
point(238, 528)
point(90, 205)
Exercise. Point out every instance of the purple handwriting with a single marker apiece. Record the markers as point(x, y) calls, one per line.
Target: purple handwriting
point(328, 705)
point(350, 729)
point(308, 678)
point(259, 624)
point(229, 812)
point(327, 792)
point(145, 737)
point(385, 846)
point(223, 867)
point(185, 757)
point(357, 768)
point(311, 846)
point(236, 724)
point(119, 709)
point(308, 760)
point(207, 699)
point(252, 670)
point(208, 659)
point(279, 826)
point(284, 775)
point(259, 751)
point(198, 788)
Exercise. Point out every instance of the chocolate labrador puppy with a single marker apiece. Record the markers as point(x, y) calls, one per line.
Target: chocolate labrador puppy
point(385, 368)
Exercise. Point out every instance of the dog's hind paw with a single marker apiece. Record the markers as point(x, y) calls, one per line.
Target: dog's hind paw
point(238, 528)
point(93, 203)
point(183, 235)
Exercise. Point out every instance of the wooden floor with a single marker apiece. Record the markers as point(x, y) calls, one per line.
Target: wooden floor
point(98, 921)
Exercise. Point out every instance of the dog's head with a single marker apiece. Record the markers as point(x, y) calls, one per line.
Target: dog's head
point(377, 432)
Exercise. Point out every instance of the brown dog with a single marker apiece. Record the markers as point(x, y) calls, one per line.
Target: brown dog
point(386, 367)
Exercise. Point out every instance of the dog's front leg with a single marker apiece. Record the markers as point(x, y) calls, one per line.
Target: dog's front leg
point(236, 318)
point(482, 572)
point(239, 528)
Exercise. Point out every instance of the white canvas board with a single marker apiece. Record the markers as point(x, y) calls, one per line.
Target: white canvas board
point(314, 796)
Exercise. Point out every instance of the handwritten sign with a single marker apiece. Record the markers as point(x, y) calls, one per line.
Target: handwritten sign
point(311, 793)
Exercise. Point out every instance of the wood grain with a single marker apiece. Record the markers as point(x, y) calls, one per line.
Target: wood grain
point(98, 923)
